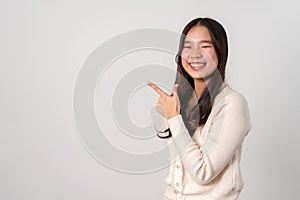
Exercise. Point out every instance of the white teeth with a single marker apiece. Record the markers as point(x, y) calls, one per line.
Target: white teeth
point(197, 64)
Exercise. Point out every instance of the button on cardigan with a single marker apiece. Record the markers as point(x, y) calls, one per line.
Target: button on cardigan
point(206, 165)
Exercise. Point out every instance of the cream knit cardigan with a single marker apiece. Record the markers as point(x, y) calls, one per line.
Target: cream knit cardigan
point(207, 165)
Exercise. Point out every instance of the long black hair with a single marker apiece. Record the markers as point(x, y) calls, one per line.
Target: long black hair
point(198, 115)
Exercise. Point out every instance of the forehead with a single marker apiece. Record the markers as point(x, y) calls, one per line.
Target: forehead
point(197, 34)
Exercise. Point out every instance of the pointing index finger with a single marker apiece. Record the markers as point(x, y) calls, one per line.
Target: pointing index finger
point(157, 89)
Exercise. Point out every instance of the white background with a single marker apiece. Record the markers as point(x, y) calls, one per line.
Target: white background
point(43, 46)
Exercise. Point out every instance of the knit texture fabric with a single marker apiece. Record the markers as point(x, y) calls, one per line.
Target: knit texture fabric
point(207, 165)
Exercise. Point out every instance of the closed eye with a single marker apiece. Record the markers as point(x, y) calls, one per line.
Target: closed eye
point(204, 47)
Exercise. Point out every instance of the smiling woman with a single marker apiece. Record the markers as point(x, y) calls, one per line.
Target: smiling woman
point(207, 119)
point(199, 57)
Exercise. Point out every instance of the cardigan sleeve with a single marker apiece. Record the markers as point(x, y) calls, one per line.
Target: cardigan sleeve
point(230, 124)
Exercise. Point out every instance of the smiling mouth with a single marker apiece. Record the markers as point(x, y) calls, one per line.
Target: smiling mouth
point(197, 65)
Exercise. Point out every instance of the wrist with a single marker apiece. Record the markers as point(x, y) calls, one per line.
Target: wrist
point(172, 115)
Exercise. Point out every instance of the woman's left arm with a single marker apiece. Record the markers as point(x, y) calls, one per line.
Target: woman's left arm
point(230, 125)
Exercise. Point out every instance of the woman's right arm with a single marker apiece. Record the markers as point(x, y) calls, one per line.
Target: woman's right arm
point(227, 133)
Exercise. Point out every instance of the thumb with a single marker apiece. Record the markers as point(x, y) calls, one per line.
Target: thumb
point(175, 90)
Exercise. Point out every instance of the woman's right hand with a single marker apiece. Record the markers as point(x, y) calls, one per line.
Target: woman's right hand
point(167, 105)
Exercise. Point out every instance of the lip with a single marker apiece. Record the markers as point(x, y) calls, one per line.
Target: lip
point(196, 66)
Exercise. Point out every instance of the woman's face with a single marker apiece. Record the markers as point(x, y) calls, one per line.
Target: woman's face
point(199, 57)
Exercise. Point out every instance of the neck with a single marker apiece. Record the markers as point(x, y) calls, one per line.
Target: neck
point(200, 86)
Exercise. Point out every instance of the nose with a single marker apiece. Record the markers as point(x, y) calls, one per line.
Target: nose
point(196, 52)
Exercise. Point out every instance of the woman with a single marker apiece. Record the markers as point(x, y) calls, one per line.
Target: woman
point(207, 120)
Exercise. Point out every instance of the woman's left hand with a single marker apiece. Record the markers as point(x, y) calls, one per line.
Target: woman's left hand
point(167, 105)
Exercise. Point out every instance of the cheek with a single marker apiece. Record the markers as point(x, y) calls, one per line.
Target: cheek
point(185, 54)
point(184, 63)
point(213, 56)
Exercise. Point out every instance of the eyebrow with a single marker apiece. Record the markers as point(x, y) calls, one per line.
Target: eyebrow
point(202, 41)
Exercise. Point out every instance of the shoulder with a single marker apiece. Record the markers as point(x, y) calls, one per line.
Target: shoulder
point(230, 103)
point(233, 106)
point(230, 96)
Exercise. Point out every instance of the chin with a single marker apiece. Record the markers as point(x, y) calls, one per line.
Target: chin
point(196, 75)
